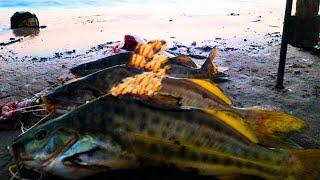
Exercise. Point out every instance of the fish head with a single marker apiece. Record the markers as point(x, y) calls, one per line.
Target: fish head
point(66, 98)
point(80, 91)
point(91, 154)
point(42, 144)
point(60, 148)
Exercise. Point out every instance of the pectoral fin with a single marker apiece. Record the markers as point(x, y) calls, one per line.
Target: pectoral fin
point(234, 121)
point(212, 88)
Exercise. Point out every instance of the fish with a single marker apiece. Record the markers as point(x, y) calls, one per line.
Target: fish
point(179, 67)
point(79, 91)
point(259, 125)
point(187, 139)
point(268, 127)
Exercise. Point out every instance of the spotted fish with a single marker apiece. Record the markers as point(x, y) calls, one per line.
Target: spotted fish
point(186, 139)
point(260, 126)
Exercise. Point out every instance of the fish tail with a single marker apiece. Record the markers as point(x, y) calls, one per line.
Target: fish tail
point(208, 64)
point(271, 125)
point(261, 126)
point(211, 69)
point(305, 164)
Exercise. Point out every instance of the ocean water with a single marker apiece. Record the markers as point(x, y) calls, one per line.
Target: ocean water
point(108, 3)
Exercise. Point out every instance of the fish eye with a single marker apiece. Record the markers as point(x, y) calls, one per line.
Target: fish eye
point(41, 134)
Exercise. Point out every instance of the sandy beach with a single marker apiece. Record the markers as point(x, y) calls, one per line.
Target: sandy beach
point(248, 38)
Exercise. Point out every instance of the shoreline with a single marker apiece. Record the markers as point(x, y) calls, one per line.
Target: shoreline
point(81, 29)
point(249, 47)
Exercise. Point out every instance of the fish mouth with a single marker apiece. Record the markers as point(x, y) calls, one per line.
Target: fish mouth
point(59, 151)
point(23, 159)
point(77, 162)
point(61, 107)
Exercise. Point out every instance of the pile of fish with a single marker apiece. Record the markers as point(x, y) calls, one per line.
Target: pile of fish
point(143, 109)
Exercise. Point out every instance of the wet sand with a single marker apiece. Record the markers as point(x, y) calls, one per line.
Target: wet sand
point(249, 46)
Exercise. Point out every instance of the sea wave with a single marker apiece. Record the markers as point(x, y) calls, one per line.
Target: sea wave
point(103, 3)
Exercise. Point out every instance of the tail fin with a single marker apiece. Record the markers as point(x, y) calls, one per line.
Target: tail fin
point(208, 65)
point(261, 126)
point(306, 164)
point(272, 126)
point(212, 88)
point(212, 69)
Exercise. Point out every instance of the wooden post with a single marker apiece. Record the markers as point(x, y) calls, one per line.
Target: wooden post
point(284, 45)
point(306, 26)
point(307, 8)
point(301, 31)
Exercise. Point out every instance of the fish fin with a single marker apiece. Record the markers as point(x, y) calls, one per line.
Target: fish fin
point(212, 88)
point(235, 121)
point(306, 163)
point(271, 126)
point(208, 65)
point(220, 77)
point(212, 69)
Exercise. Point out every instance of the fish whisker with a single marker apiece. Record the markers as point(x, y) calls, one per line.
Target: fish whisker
point(15, 175)
point(35, 110)
point(40, 121)
point(29, 107)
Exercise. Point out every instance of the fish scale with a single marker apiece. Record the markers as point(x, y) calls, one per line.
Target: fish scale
point(203, 136)
point(172, 86)
point(140, 128)
point(184, 138)
point(172, 153)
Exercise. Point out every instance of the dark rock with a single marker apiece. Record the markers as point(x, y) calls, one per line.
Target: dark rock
point(205, 48)
point(70, 52)
point(24, 19)
point(254, 70)
point(234, 14)
point(194, 43)
point(173, 48)
point(296, 66)
point(297, 72)
point(196, 56)
point(43, 59)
